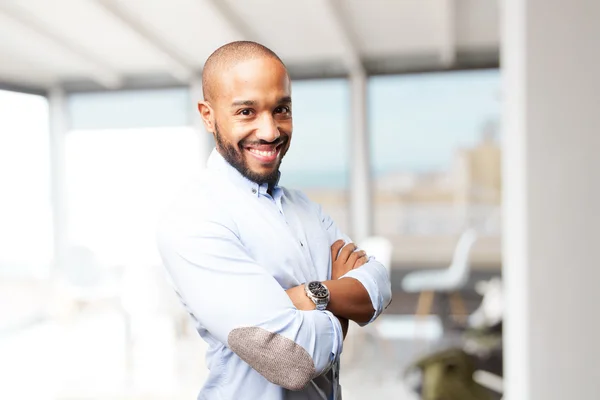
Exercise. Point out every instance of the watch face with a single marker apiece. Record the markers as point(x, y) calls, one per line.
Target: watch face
point(318, 290)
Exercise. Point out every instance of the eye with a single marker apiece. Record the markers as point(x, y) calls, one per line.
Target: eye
point(282, 110)
point(246, 112)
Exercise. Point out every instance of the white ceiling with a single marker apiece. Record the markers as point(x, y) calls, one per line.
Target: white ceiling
point(110, 43)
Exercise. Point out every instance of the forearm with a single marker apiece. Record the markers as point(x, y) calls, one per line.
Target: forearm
point(349, 299)
point(376, 282)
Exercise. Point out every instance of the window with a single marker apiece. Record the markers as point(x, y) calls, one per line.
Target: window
point(25, 208)
point(436, 158)
point(317, 162)
point(118, 181)
point(128, 153)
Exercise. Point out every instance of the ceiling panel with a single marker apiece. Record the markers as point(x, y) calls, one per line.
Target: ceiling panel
point(100, 46)
point(194, 28)
point(387, 27)
point(18, 71)
point(478, 23)
point(295, 30)
point(22, 47)
point(98, 32)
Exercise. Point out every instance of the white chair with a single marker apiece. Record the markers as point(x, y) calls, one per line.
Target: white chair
point(491, 310)
point(448, 281)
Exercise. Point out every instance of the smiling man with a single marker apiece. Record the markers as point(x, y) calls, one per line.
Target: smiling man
point(267, 277)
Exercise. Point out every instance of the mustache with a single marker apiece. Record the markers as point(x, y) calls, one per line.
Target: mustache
point(279, 141)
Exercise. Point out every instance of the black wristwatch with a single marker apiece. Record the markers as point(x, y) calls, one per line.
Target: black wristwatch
point(318, 293)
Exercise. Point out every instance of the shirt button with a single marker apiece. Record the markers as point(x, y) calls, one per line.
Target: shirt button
point(254, 191)
point(301, 244)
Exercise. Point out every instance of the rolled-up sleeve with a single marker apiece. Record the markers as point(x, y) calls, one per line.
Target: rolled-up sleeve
point(376, 281)
point(243, 306)
point(373, 275)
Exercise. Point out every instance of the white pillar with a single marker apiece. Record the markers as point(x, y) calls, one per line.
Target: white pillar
point(361, 209)
point(551, 167)
point(59, 125)
point(206, 140)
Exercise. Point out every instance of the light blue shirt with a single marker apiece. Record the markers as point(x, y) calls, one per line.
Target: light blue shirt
point(231, 250)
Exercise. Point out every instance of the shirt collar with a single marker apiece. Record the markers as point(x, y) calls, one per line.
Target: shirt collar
point(216, 162)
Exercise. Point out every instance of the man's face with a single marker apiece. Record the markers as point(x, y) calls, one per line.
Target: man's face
point(253, 118)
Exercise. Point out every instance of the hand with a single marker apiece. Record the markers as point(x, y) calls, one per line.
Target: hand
point(300, 299)
point(348, 259)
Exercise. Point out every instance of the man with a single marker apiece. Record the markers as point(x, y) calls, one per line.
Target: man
point(261, 268)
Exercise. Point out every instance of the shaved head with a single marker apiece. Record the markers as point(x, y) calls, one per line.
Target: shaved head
point(226, 57)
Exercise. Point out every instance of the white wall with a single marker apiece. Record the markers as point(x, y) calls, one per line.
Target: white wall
point(551, 61)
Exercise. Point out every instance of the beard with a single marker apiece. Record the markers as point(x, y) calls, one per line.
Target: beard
point(235, 157)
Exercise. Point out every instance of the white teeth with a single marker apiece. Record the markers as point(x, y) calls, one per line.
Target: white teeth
point(263, 153)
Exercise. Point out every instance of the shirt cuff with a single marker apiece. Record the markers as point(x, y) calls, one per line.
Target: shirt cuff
point(338, 337)
point(367, 276)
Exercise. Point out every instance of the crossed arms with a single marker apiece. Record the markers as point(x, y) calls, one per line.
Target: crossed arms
point(242, 305)
point(349, 300)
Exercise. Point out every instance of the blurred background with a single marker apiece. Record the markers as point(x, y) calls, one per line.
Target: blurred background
point(405, 130)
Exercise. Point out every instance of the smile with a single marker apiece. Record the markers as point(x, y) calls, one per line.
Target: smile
point(264, 156)
point(263, 153)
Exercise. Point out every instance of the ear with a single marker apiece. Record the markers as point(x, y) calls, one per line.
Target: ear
point(208, 115)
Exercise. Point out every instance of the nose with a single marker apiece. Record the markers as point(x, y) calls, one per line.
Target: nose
point(268, 129)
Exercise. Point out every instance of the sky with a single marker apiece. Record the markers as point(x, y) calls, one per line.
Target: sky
point(415, 123)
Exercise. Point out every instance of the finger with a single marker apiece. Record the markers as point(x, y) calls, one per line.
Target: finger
point(355, 256)
point(361, 261)
point(335, 249)
point(346, 252)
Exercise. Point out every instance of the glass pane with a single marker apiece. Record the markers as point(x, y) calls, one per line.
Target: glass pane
point(436, 160)
point(96, 331)
point(317, 162)
point(130, 109)
point(117, 183)
point(25, 209)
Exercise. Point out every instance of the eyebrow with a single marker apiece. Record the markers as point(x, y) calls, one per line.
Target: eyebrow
point(249, 103)
point(243, 103)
